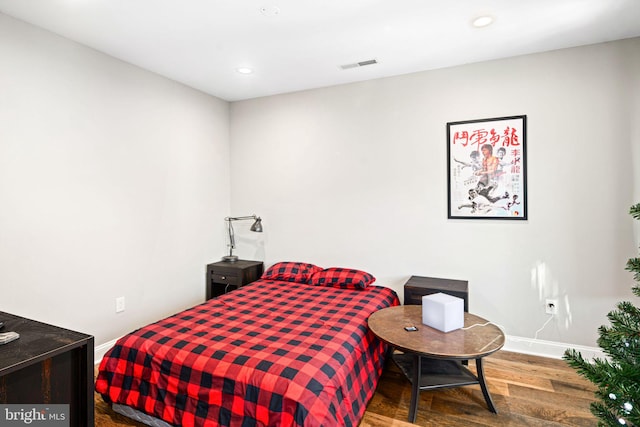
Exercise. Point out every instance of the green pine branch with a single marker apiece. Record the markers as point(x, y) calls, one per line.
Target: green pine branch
point(617, 377)
point(633, 265)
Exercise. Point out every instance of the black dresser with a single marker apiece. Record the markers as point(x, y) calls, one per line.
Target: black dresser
point(418, 286)
point(47, 365)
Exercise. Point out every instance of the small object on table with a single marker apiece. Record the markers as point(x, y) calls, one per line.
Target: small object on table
point(7, 337)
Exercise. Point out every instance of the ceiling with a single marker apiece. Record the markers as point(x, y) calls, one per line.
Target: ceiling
point(294, 45)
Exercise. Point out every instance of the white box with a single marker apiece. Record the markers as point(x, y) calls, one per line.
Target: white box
point(443, 312)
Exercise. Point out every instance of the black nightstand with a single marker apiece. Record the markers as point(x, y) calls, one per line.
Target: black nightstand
point(417, 287)
point(47, 365)
point(223, 277)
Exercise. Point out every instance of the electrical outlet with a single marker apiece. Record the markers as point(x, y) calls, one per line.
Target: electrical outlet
point(551, 306)
point(119, 304)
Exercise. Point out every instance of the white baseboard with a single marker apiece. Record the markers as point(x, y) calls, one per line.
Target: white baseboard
point(542, 348)
point(101, 349)
point(551, 349)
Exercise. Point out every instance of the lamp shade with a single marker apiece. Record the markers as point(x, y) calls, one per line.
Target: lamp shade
point(257, 226)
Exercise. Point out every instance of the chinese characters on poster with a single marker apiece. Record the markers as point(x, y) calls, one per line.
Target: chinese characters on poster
point(487, 168)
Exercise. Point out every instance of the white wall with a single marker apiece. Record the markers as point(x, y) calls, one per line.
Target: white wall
point(113, 182)
point(355, 175)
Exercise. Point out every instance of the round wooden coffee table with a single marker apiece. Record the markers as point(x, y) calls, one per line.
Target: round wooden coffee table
point(433, 359)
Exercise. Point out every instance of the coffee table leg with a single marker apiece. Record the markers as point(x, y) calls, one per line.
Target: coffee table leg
point(483, 386)
point(415, 388)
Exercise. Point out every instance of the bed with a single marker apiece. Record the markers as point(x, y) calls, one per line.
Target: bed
point(291, 349)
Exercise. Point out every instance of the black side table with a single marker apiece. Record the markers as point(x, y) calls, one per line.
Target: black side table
point(223, 276)
point(48, 365)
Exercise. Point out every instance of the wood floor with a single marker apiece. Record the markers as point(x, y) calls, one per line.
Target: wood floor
point(527, 391)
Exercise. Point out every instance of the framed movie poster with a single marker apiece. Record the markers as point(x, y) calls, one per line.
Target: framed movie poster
point(487, 168)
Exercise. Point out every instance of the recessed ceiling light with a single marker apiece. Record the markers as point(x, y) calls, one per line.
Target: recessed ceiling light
point(482, 21)
point(244, 70)
point(270, 10)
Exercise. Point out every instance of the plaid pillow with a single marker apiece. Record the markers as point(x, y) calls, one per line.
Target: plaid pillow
point(299, 272)
point(345, 278)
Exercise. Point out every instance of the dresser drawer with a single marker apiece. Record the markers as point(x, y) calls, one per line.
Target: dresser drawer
point(225, 278)
point(413, 296)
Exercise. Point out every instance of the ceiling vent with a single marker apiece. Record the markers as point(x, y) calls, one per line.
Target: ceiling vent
point(359, 64)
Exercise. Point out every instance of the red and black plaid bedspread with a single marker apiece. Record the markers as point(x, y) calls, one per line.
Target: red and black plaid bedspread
point(268, 354)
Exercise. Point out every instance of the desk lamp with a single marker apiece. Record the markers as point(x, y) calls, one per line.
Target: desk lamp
point(257, 227)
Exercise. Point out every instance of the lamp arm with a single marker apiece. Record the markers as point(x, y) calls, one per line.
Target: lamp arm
point(257, 227)
point(237, 218)
point(232, 240)
point(230, 219)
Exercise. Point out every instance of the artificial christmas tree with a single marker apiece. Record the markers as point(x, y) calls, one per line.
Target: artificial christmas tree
point(618, 376)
